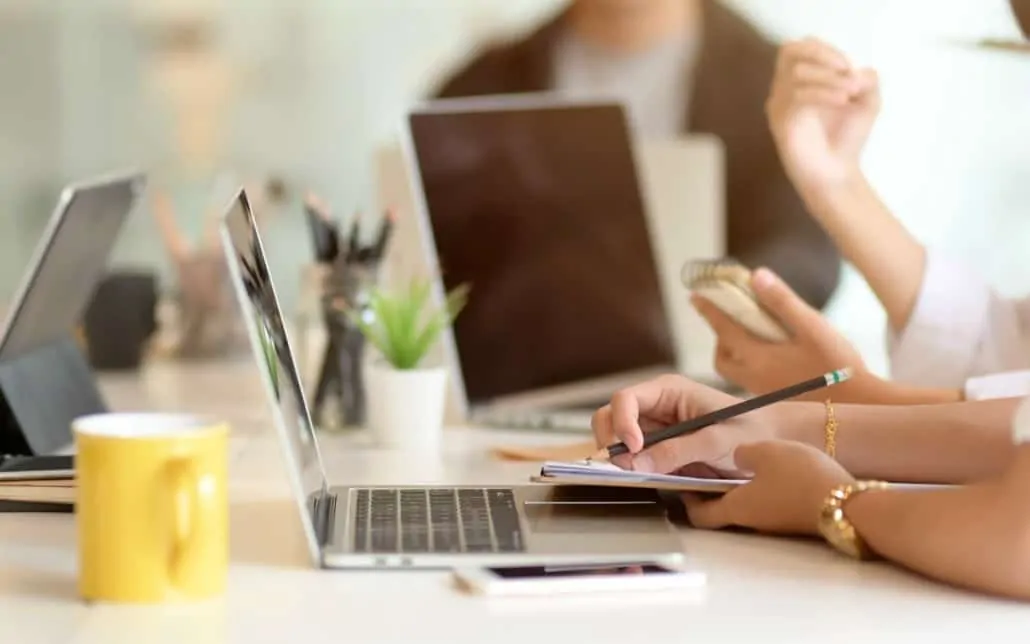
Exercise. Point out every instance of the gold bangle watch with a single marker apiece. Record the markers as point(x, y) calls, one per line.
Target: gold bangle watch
point(833, 522)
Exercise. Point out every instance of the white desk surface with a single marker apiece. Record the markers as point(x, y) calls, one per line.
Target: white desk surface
point(759, 589)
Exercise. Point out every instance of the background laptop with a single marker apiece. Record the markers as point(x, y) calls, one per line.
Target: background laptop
point(424, 526)
point(45, 381)
point(536, 202)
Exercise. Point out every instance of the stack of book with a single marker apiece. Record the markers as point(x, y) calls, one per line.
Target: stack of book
point(27, 482)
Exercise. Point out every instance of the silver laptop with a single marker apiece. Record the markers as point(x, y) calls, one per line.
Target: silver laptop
point(424, 526)
point(38, 357)
point(535, 201)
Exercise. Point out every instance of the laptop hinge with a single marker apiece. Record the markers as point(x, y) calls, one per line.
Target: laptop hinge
point(323, 514)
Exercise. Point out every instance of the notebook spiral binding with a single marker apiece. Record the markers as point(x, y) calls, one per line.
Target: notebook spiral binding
point(726, 283)
point(701, 272)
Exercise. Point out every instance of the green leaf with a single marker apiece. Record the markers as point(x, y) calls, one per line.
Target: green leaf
point(456, 301)
point(392, 321)
point(412, 307)
point(428, 336)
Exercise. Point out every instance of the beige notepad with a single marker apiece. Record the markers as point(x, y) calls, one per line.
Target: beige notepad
point(573, 452)
point(51, 482)
point(39, 491)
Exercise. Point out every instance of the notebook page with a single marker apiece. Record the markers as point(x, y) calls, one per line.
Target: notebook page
point(609, 472)
point(612, 473)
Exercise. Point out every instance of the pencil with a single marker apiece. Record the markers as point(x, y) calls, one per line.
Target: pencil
point(323, 234)
point(352, 241)
point(385, 228)
point(722, 415)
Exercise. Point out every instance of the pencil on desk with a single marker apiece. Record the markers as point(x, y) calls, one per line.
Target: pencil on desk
point(722, 415)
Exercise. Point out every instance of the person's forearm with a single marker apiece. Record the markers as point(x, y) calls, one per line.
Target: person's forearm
point(976, 536)
point(890, 259)
point(946, 443)
point(868, 389)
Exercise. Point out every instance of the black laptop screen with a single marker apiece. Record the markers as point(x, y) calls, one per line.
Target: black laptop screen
point(538, 209)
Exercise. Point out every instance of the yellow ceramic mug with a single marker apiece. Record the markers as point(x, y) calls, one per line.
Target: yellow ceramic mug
point(152, 507)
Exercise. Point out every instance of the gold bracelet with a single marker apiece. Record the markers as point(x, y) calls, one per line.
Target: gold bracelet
point(835, 526)
point(831, 431)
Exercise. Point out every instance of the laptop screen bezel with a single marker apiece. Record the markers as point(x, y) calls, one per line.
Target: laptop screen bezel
point(559, 393)
point(295, 463)
point(135, 181)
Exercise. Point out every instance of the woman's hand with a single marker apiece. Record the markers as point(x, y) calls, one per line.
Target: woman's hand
point(790, 483)
point(669, 400)
point(758, 366)
point(821, 111)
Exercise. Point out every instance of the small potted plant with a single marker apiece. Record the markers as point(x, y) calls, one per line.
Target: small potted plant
point(405, 398)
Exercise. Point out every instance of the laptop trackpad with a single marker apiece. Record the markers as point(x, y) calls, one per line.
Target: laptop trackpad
point(593, 510)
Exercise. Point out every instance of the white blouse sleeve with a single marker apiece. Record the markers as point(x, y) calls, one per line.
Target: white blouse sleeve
point(1021, 423)
point(960, 329)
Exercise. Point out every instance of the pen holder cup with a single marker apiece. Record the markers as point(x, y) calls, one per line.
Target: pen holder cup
point(309, 327)
point(342, 288)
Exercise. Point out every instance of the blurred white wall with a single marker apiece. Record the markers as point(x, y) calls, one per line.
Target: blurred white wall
point(309, 88)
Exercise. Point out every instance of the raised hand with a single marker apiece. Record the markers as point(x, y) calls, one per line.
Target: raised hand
point(821, 110)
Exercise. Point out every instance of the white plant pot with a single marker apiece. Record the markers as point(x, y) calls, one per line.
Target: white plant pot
point(406, 407)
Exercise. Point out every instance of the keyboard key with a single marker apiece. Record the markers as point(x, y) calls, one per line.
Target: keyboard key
point(505, 516)
point(443, 510)
point(437, 520)
point(414, 521)
point(361, 513)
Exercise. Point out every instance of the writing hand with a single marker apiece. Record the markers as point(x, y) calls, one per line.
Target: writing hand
point(672, 399)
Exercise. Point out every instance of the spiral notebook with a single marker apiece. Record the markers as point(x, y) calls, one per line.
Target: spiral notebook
point(606, 474)
point(597, 473)
point(727, 285)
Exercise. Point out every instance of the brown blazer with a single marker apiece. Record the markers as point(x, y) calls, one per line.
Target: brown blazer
point(1021, 10)
point(767, 224)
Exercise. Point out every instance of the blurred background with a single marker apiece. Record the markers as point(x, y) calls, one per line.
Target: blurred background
point(208, 93)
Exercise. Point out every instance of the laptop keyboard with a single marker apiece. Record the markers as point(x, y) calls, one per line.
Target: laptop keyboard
point(566, 421)
point(436, 520)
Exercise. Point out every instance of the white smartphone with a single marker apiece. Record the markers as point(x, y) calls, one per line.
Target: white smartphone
point(630, 576)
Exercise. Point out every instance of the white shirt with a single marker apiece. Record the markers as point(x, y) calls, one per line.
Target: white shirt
point(653, 85)
point(962, 334)
point(1021, 423)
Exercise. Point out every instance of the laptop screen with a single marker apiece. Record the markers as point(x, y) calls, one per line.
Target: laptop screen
point(263, 316)
point(69, 263)
point(536, 205)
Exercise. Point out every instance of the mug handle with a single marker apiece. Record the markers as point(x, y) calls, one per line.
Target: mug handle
point(187, 496)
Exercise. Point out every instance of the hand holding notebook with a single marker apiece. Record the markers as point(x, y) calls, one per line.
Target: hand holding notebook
point(727, 285)
point(608, 475)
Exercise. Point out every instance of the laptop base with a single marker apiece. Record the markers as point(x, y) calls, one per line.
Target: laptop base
point(502, 525)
